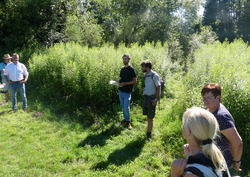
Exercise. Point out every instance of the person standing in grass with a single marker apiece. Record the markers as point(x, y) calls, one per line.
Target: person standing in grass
point(126, 85)
point(204, 158)
point(7, 60)
point(17, 75)
point(229, 141)
point(152, 92)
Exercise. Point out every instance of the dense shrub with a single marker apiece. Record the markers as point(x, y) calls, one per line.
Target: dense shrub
point(79, 76)
point(228, 65)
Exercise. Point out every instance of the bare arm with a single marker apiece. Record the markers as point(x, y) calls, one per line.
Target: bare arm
point(237, 145)
point(25, 79)
point(2, 71)
point(7, 79)
point(158, 93)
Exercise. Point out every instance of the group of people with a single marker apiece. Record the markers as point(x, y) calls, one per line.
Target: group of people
point(152, 91)
point(214, 144)
point(14, 76)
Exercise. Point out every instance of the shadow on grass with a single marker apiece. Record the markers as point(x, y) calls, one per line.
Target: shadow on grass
point(101, 138)
point(124, 155)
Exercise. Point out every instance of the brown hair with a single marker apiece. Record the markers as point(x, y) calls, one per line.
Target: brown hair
point(126, 55)
point(147, 64)
point(214, 88)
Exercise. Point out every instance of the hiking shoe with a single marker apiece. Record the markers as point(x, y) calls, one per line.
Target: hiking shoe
point(149, 135)
point(25, 110)
point(13, 111)
point(129, 126)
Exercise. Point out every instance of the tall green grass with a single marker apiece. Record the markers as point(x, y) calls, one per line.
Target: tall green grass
point(79, 76)
point(228, 65)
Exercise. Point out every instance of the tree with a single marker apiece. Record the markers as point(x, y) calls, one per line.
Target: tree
point(228, 18)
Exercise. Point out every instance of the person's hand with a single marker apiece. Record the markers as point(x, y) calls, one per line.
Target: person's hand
point(154, 102)
point(22, 81)
point(177, 167)
point(236, 166)
point(9, 81)
point(186, 150)
point(121, 84)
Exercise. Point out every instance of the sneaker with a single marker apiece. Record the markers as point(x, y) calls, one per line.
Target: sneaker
point(129, 126)
point(149, 135)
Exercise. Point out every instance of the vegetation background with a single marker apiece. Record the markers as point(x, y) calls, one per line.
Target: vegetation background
point(73, 48)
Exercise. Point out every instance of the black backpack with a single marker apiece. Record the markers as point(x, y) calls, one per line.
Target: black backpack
point(162, 82)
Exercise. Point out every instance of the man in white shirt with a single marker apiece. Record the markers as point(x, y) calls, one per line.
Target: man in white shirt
point(17, 75)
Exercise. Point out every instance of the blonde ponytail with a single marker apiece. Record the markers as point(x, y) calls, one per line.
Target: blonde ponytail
point(204, 127)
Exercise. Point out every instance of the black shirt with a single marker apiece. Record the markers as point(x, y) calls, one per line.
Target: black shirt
point(127, 74)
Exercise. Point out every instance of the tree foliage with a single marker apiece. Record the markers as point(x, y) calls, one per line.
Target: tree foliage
point(229, 18)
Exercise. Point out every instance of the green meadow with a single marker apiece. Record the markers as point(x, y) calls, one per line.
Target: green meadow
point(73, 127)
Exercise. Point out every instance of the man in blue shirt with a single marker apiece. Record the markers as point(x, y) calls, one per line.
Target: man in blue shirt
point(7, 60)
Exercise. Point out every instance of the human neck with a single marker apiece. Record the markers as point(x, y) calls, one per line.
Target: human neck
point(194, 147)
point(148, 71)
point(214, 108)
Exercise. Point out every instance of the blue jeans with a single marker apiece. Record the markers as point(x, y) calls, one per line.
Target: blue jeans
point(125, 104)
point(13, 91)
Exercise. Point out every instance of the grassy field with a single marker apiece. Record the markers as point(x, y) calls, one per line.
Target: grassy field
point(73, 127)
point(42, 144)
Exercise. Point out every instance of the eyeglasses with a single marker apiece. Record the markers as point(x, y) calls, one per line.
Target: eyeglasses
point(208, 98)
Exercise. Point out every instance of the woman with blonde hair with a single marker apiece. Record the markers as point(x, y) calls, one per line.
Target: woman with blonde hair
point(204, 159)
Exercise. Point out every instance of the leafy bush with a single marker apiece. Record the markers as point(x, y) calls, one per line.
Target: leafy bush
point(79, 76)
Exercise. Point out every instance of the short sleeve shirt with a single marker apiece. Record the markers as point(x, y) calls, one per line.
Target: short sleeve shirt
point(152, 80)
point(127, 74)
point(16, 71)
point(225, 120)
point(2, 66)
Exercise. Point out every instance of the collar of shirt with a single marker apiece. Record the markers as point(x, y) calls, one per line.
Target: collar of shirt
point(148, 74)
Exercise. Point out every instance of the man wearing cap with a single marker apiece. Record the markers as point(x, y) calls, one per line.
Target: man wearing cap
point(17, 75)
point(7, 60)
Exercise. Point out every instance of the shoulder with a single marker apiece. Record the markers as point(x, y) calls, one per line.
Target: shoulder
point(154, 74)
point(8, 65)
point(22, 65)
point(131, 67)
point(223, 114)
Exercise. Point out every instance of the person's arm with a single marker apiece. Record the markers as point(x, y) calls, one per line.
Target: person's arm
point(237, 145)
point(157, 97)
point(7, 79)
point(25, 79)
point(177, 167)
point(2, 71)
point(128, 83)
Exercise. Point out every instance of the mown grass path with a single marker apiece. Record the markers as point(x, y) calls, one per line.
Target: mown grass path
point(39, 143)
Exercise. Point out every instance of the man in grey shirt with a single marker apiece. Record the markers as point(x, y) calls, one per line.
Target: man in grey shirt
point(152, 92)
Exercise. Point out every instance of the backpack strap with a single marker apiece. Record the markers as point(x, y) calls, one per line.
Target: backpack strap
point(152, 76)
point(194, 171)
point(200, 170)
